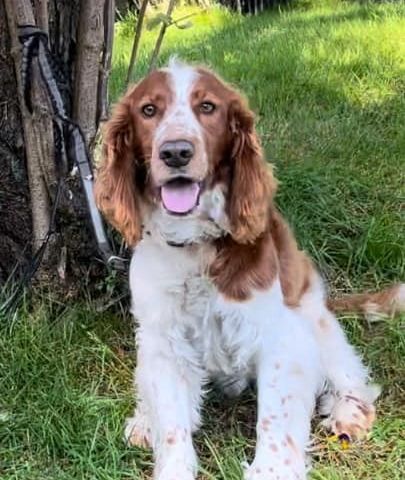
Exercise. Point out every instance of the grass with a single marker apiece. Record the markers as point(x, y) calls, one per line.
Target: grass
point(327, 82)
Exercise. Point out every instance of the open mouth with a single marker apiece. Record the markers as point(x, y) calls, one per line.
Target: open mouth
point(180, 195)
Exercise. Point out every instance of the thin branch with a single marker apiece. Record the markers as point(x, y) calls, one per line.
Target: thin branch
point(102, 113)
point(162, 32)
point(184, 17)
point(137, 40)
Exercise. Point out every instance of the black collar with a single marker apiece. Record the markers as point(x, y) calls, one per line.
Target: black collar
point(178, 245)
point(173, 244)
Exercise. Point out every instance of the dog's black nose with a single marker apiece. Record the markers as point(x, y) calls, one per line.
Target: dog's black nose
point(177, 153)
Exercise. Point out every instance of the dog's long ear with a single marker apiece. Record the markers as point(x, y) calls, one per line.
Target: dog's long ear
point(252, 183)
point(115, 187)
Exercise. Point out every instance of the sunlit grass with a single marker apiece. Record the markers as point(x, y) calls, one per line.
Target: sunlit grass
point(204, 22)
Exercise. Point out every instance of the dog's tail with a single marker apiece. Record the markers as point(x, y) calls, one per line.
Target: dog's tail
point(386, 302)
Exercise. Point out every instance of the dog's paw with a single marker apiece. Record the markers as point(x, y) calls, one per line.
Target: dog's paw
point(273, 468)
point(180, 473)
point(176, 468)
point(350, 416)
point(137, 431)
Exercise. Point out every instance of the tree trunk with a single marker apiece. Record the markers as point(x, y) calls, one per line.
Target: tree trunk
point(37, 127)
point(77, 40)
point(15, 215)
point(88, 66)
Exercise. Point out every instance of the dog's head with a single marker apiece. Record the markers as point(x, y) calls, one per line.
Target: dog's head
point(182, 144)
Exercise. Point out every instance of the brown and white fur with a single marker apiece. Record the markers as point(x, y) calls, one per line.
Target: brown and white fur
point(219, 288)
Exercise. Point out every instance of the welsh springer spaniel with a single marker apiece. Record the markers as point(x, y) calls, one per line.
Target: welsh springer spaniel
point(219, 287)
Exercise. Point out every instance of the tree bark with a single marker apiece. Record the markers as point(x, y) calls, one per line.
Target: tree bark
point(77, 40)
point(37, 127)
point(88, 66)
point(15, 216)
point(41, 14)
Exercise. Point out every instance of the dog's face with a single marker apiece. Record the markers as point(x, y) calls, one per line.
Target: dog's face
point(177, 136)
point(179, 119)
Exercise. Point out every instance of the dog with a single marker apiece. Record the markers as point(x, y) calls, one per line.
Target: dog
point(220, 290)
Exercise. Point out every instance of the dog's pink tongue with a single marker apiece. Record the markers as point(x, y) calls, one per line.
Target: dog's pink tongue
point(180, 198)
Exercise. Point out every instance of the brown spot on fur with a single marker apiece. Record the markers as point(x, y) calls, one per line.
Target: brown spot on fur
point(296, 268)
point(292, 444)
point(297, 370)
point(364, 410)
point(354, 399)
point(323, 324)
point(238, 269)
point(265, 424)
point(273, 447)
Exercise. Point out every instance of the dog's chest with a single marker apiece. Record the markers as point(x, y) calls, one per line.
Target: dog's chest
point(221, 335)
point(172, 292)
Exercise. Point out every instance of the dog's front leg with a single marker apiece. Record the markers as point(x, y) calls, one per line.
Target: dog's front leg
point(170, 393)
point(288, 379)
point(169, 377)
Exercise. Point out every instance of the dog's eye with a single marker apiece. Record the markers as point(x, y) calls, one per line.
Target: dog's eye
point(207, 107)
point(149, 110)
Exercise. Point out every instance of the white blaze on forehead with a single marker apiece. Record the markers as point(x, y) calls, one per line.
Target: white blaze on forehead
point(182, 78)
point(179, 120)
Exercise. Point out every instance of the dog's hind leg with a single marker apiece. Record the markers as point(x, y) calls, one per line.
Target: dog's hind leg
point(348, 405)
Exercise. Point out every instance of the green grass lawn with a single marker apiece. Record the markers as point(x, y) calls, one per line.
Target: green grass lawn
point(327, 81)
